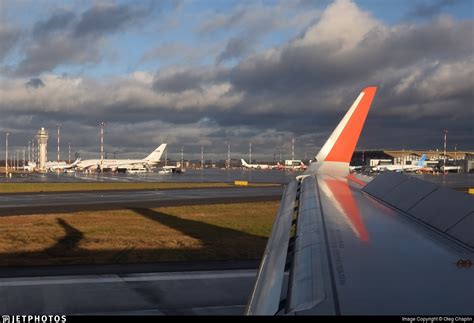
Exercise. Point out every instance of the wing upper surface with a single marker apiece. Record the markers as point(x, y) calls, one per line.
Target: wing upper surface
point(354, 255)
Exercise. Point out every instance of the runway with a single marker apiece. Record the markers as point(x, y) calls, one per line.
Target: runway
point(199, 292)
point(32, 203)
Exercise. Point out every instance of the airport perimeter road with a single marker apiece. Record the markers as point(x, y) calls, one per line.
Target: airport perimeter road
point(199, 292)
point(49, 202)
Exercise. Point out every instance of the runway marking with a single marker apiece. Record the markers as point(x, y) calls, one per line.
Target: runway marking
point(42, 281)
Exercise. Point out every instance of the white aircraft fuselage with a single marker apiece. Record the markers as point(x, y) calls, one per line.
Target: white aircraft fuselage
point(115, 164)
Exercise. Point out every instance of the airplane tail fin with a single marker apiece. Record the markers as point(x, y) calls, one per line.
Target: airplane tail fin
point(76, 162)
point(155, 156)
point(244, 163)
point(422, 160)
point(335, 155)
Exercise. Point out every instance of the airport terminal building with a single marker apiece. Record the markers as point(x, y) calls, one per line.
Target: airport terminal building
point(464, 159)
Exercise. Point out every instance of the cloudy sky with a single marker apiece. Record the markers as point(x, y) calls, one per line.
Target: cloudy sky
point(209, 73)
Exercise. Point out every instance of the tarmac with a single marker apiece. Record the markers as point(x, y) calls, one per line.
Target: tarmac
point(41, 203)
point(217, 292)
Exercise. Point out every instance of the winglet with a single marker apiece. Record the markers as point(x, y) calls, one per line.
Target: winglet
point(340, 146)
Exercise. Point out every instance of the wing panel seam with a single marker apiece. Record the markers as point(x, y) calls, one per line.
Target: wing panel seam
point(337, 307)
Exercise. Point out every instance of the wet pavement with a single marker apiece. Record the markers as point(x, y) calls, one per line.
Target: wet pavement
point(194, 176)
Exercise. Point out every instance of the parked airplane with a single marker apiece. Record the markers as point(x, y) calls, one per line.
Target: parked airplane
point(123, 164)
point(346, 245)
point(256, 166)
point(301, 166)
point(403, 168)
point(448, 166)
point(61, 166)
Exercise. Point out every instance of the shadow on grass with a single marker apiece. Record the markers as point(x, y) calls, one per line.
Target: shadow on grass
point(217, 243)
point(68, 243)
point(208, 234)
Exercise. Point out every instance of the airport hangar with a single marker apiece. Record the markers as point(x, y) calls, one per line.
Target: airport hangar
point(465, 159)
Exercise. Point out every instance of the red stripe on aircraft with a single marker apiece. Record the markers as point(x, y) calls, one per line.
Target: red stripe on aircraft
point(343, 195)
point(356, 180)
point(346, 142)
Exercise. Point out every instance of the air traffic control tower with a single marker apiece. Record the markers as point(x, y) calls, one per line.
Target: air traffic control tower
point(42, 137)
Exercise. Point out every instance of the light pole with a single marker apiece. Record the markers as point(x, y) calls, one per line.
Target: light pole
point(6, 154)
point(202, 157)
point(293, 149)
point(228, 155)
point(102, 124)
point(34, 151)
point(250, 153)
point(444, 154)
point(33, 156)
point(57, 160)
point(69, 153)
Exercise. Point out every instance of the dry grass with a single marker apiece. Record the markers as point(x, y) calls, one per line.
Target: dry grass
point(200, 232)
point(71, 187)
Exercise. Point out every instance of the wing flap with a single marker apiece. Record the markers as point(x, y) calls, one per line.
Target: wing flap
point(307, 280)
point(265, 299)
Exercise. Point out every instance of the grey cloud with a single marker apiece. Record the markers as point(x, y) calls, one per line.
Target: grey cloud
point(253, 17)
point(57, 22)
point(219, 22)
point(188, 79)
point(8, 38)
point(35, 83)
point(235, 48)
point(179, 82)
point(103, 19)
point(65, 38)
point(250, 22)
point(55, 51)
point(427, 9)
point(301, 68)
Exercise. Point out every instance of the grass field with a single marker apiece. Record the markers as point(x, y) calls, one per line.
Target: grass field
point(71, 187)
point(201, 232)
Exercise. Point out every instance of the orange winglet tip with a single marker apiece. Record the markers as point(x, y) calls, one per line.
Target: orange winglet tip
point(346, 142)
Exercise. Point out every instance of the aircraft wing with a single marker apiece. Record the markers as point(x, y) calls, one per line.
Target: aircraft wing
point(73, 165)
point(130, 165)
point(346, 245)
point(353, 253)
point(86, 165)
